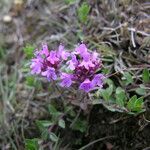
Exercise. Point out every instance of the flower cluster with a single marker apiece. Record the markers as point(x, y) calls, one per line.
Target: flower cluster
point(82, 65)
point(47, 63)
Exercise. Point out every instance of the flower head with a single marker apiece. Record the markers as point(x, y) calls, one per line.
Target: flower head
point(86, 85)
point(47, 63)
point(44, 50)
point(66, 80)
point(86, 62)
point(36, 65)
point(82, 64)
point(52, 58)
point(50, 74)
point(73, 62)
point(62, 53)
point(81, 49)
point(98, 80)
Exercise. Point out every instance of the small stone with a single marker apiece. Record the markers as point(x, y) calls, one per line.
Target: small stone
point(7, 19)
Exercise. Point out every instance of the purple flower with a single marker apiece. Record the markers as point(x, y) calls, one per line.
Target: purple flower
point(53, 57)
point(98, 80)
point(44, 50)
point(95, 56)
point(88, 59)
point(62, 53)
point(73, 62)
point(82, 63)
point(66, 80)
point(86, 85)
point(86, 64)
point(81, 49)
point(50, 74)
point(36, 65)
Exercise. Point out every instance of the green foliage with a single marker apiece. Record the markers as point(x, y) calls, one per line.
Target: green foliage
point(55, 120)
point(116, 99)
point(105, 71)
point(80, 35)
point(120, 96)
point(33, 82)
point(43, 124)
point(70, 1)
point(61, 123)
point(113, 98)
point(31, 144)
point(80, 125)
point(54, 112)
point(141, 90)
point(146, 75)
point(83, 12)
point(69, 110)
point(53, 137)
point(30, 80)
point(2, 53)
point(135, 104)
point(106, 93)
point(127, 78)
point(28, 50)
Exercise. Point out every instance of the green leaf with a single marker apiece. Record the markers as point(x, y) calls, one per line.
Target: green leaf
point(2, 53)
point(80, 35)
point(53, 137)
point(61, 123)
point(130, 104)
point(105, 94)
point(120, 96)
point(134, 104)
point(140, 91)
point(43, 128)
point(31, 144)
point(70, 1)
point(138, 105)
point(105, 71)
point(110, 90)
point(83, 12)
point(52, 109)
point(30, 80)
point(45, 134)
point(44, 123)
point(54, 112)
point(69, 110)
point(80, 125)
point(128, 78)
point(115, 108)
point(110, 86)
point(29, 51)
point(146, 75)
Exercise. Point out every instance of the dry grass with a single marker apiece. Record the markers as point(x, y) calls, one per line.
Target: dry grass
point(119, 30)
